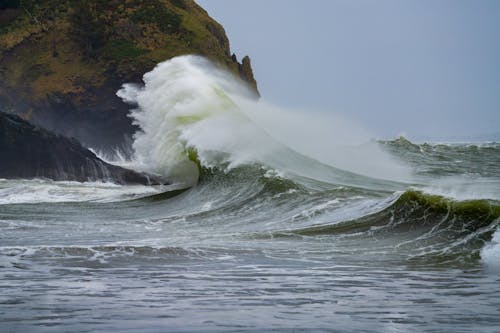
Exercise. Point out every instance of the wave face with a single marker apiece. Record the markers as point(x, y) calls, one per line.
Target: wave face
point(274, 223)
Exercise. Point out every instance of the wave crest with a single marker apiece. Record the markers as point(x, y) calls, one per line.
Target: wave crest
point(188, 105)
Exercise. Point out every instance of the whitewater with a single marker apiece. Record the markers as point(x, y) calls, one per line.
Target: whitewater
point(274, 220)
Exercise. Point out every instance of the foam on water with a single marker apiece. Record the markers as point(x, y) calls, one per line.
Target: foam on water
point(42, 190)
point(490, 254)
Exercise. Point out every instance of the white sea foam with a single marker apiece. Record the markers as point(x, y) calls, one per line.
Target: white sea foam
point(40, 190)
point(187, 102)
point(490, 254)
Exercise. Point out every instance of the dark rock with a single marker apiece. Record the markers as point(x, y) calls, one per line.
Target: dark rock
point(27, 151)
point(246, 73)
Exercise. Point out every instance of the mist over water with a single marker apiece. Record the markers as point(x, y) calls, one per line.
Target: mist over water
point(329, 138)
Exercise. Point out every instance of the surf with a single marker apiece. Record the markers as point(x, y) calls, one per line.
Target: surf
point(279, 174)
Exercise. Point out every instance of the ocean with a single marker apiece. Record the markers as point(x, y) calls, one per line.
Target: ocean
point(272, 222)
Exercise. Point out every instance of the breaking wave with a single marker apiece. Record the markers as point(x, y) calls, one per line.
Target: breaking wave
point(190, 111)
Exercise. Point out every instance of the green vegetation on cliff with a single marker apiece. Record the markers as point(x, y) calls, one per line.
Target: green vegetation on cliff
point(74, 55)
point(64, 45)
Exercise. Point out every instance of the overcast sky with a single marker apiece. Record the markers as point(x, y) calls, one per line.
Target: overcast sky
point(426, 68)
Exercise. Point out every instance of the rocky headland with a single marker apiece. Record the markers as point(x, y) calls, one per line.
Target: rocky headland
point(61, 63)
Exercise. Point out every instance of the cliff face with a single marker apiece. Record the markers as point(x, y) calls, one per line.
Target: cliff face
point(62, 61)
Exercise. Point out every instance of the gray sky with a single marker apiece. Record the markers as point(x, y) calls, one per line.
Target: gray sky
point(427, 68)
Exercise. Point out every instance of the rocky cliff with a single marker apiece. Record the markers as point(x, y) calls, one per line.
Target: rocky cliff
point(27, 151)
point(61, 61)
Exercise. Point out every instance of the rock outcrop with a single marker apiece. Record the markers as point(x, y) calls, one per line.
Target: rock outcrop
point(246, 71)
point(27, 151)
point(62, 61)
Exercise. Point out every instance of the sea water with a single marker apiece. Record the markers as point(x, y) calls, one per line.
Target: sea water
point(282, 225)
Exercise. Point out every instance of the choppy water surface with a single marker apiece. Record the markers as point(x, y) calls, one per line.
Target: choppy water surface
point(268, 240)
point(249, 250)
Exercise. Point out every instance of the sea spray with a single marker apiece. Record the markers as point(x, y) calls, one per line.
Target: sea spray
point(187, 103)
point(329, 138)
